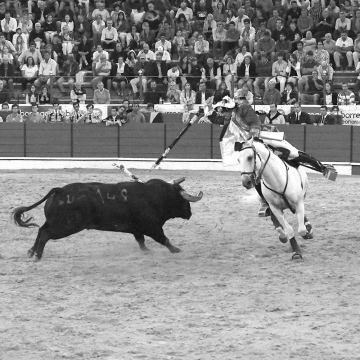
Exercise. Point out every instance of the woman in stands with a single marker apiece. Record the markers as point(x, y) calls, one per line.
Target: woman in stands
point(209, 26)
point(119, 73)
point(84, 53)
point(246, 73)
point(122, 28)
point(187, 98)
point(185, 69)
point(44, 97)
point(97, 27)
point(293, 69)
point(29, 72)
point(131, 59)
point(49, 27)
point(132, 39)
point(228, 69)
point(32, 96)
point(219, 12)
point(20, 47)
point(183, 25)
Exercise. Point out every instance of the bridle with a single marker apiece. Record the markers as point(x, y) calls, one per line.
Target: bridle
point(255, 179)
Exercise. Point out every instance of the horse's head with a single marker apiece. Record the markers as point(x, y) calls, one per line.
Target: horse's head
point(250, 164)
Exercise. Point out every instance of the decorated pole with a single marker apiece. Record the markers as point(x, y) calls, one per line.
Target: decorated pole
point(166, 152)
point(127, 172)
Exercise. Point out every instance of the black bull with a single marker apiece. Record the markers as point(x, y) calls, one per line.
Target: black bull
point(131, 207)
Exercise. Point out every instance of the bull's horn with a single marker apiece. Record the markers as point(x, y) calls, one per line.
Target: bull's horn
point(191, 198)
point(177, 181)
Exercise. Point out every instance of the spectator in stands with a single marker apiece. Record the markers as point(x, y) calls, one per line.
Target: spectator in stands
point(173, 94)
point(7, 72)
point(203, 94)
point(41, 12)
point(81, 27)
point(325, 70)
point(201, 49)
point(345, 96)
point(7, 43)
point(26, 25)
point(195, 73)
point(356, 53)
point(120, 71)
point(232, 38)
point(165, 55)
point(90, 116)
point(187, 99)
point(342, 24)
point(271, 23)
point(298, 117)
point(109, 36)
point(307, 69)
point(158, 70)
point(44, 96)
point(247, 36)
point(49, 28)
point(8, 26)
point(78, 94)
point(241, 55)
point(244, 92)
point(316, 11)
point(320, 54)
point(211, 73)
point(219, 38)
point(70, 69)
point(100, 11)
point(37, 35)
point(153, 94)
point(97, 27)
point(330, 95)
point(142, 67)
point(32, 97)
point(265, 44)
point(246, 73)
point(35, 116)
point(113, 118)
point(264, 72)
point(290, 95)
point(149, 55)
point(102, 72)
point(219, 12)
point(56, 114)
point(294, 12)
point(338, 117)
point(146, 35)
point(135, 116)
point(84, 53)
point(304, 22)
point(274, 117)
point(118, 52)
point(165, 44)
point(179, 43)
point(309, 42)
point(283, 46)
point(256, 20)
point(272, 95)
point(173, 74)
point(293, 69)
point(279, 29)
point(313, 89)
point(77, 115)
point(324, 118)
point(324, 25)
point(229, 70)
point(334, 11)
point(279, 71)
point(185, 10)
point(101, 95)
point(344, 47)
point(47, 71)
point(15, 116)
point(355, 22)
point(294, 36)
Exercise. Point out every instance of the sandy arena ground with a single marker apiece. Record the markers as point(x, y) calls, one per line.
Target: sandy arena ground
point(232, 293)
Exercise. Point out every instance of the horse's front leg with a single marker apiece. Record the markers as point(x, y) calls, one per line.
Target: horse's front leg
point(300, 213)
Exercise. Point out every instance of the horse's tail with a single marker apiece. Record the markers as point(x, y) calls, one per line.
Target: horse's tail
point(18, 213)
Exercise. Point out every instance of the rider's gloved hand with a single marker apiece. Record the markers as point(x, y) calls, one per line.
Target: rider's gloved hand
point(255, 132)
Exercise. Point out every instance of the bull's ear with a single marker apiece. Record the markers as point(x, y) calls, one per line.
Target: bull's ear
point(177, 181)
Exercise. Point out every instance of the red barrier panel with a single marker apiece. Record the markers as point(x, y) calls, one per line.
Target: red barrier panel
point(12, 137)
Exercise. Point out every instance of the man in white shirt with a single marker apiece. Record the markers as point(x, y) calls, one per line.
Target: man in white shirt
point(165, 44)
point(247, 36)
point(102, 73)
point(165, 55)
point(109, 36)
point(96, 57)
point(201, 48)
point(101, 11)
point(8, 26)
point(149, 55)
point(344, 46)
point(184, 10)
point(342, 24)
point(47, 71)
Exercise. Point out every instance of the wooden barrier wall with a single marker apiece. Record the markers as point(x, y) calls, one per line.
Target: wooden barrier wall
point(328, 143)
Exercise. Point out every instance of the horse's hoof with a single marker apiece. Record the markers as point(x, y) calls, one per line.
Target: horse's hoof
point(296, 256)
point(36, 258)
point(174, 250)
point(30, 253)
point(282, 235)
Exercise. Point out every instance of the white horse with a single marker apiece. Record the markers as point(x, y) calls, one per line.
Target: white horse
point(283, 186)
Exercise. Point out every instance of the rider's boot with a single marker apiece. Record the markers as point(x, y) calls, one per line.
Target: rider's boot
point(264, 209)
point(327, 170)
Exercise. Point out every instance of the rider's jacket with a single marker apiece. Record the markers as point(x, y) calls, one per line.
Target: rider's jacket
point(245, 117)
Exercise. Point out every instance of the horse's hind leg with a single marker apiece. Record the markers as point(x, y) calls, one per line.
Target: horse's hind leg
point(300, 213)
point(309, 228)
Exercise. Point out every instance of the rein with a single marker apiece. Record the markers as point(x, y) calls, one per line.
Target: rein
point(256, 179)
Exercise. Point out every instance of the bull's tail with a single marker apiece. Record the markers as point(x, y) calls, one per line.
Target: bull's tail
point(18, 213)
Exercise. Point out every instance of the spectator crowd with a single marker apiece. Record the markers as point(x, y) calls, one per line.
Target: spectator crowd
point(179, 52)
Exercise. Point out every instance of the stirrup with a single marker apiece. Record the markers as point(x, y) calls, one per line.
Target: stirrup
point(264, 211)
point(330, 172)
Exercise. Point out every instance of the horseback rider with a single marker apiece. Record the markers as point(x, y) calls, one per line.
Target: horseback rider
point(241, 122)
